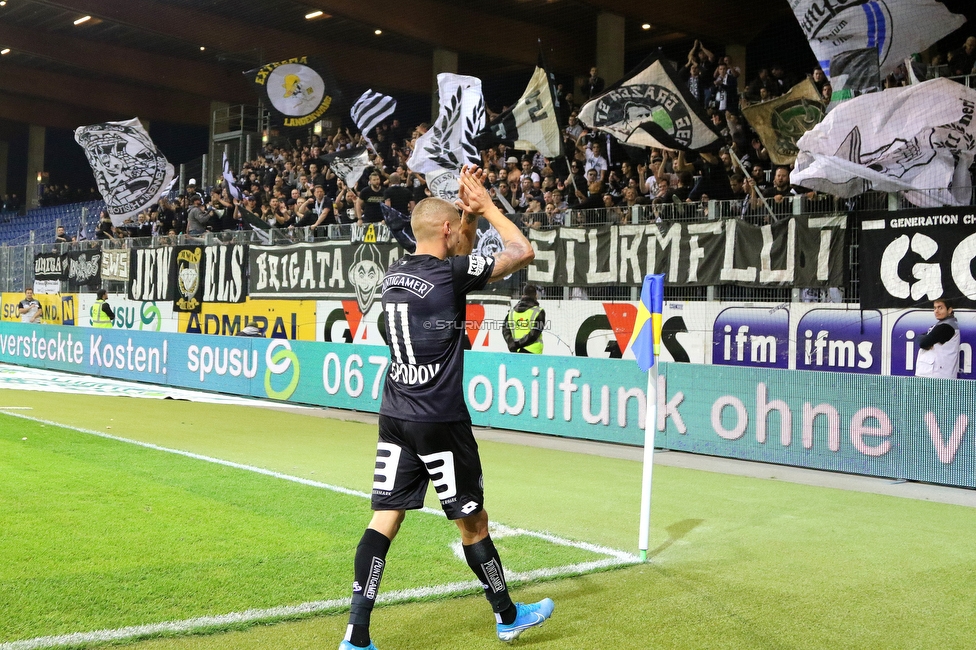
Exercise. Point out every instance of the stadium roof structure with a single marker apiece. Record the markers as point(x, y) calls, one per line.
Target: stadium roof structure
point(168, 59)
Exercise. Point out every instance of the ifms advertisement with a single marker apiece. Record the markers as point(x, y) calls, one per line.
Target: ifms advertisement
point(788, 336)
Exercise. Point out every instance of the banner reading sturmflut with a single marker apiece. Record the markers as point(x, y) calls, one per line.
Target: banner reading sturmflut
point(130, 171)
point(797, 252)
point(908, 259)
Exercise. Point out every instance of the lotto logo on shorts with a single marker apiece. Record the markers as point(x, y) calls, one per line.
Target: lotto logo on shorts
point(469, 507)
point(477, 264)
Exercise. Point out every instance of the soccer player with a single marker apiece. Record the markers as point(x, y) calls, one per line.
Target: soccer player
point(424, 425)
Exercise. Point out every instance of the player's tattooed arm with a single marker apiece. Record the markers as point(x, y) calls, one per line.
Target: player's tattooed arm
point(474, 201)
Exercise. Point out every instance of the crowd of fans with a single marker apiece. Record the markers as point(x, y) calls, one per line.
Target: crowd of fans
point(289, 187)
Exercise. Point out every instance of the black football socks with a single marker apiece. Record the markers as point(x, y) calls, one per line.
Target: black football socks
point(484, 561)
point(369, 564)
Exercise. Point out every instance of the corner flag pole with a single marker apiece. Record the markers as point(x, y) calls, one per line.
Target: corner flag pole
point(646, 344)
point(650, 427)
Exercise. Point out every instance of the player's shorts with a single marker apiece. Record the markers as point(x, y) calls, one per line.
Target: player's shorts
point(409, 454)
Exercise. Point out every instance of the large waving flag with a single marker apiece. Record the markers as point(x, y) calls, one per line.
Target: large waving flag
point(531, 123)
point(651, 107)
point(896, 28)
point(299, 89)
point(920, 139)
point(370, 110)
point(130, 170)
point(449, 143)
point(646, 342)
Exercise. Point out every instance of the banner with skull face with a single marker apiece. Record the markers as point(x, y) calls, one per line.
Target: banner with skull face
point(130, 171)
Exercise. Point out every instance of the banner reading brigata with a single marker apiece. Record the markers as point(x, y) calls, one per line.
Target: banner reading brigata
point(797, 252)
point(326, 270)
point(908, 261)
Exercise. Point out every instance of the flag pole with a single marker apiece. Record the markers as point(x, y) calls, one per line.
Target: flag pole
point(650, 427)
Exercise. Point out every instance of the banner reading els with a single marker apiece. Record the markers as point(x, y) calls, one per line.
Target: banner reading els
point(911, 261)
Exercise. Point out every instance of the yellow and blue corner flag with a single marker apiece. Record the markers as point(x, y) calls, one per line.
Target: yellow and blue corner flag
point(646, 342)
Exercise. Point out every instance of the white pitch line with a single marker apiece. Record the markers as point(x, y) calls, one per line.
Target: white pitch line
point(615, 558)
point(16, 408)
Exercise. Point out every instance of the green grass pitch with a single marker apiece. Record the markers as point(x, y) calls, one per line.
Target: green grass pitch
point(736, 562)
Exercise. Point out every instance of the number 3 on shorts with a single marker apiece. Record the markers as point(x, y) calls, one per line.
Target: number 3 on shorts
point(440, 467)
point(387, 461)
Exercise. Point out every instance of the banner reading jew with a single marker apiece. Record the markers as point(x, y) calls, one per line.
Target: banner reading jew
point(798, 252)
point(909, 261)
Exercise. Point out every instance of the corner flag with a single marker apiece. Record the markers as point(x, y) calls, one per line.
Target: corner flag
point(646, 345)
point(646, 342)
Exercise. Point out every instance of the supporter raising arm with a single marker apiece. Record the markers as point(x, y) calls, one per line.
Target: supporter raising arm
point(474, 201)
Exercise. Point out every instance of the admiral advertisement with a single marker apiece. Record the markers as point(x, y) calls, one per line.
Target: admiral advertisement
point(910, 428)
point(277, 319)
point(797, 252)
point(911, 261)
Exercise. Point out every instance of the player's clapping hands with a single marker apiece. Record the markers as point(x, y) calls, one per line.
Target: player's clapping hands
point(472, 196)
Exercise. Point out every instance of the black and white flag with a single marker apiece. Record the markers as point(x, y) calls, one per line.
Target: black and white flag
point(370, 110)
point(651, 107)
point(920, 139)
point(235, 191)
point(531, 123)
point(450, 142)
point(130, 171)
point(298, 89)
point(895, 28)
point(348, 164)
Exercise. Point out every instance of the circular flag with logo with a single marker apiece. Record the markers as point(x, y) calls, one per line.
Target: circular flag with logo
point(300, 91)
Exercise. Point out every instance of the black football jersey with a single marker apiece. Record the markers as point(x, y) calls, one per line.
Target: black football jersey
point(424, 306)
